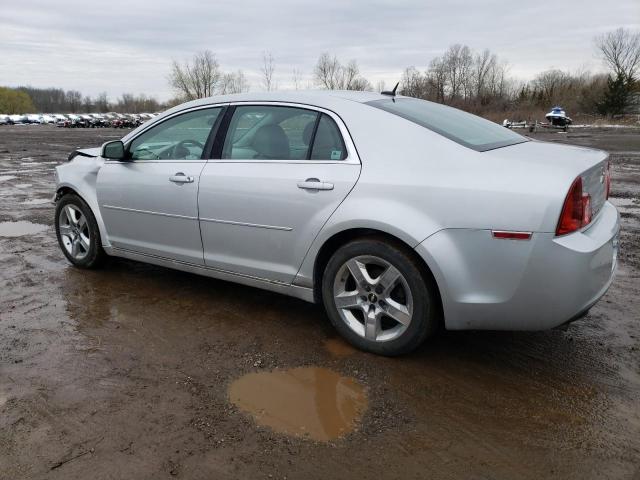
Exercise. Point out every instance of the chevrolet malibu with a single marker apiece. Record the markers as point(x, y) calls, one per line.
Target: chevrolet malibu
point(396, 214)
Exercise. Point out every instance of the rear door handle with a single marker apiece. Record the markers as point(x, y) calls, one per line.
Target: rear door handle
point(315, 184)
point(181, 178)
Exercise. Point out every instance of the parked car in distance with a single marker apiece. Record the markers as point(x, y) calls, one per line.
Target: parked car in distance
point(34, 118)
point(49, 119)
point(61, 120)
point(18, 119)
point(396, 214)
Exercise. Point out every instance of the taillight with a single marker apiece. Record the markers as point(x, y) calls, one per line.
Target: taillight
point(607, 180)
point(576, 211)
point(586, 209)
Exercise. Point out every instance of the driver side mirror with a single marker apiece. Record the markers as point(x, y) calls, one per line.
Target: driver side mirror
point(113, 150)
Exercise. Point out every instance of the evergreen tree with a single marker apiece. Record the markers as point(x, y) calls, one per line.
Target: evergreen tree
point(616, 96)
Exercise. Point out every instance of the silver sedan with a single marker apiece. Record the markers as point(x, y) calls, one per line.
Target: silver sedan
point(398, 215)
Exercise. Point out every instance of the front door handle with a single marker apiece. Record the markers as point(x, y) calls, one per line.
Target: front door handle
point(315, 184)
point(181, 178)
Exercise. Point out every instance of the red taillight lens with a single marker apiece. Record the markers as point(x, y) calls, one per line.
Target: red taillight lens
point(576, 211)
point(586, 209)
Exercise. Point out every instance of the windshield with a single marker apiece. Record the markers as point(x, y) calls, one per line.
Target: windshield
point(464, 128)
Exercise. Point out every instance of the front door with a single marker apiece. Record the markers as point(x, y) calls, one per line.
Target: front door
point(283, 171)
point(149, 203)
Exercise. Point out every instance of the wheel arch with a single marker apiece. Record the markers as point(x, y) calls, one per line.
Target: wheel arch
point(333, 243)
point(65, 188)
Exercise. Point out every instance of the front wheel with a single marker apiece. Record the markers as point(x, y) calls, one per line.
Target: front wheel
point(78, 233)
point(378, 298)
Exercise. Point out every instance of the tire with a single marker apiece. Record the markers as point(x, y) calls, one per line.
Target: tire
point(77, 232)
point(362, 318)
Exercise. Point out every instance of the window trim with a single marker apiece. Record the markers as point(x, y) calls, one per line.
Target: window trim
point(352, 155)
point(312, 140)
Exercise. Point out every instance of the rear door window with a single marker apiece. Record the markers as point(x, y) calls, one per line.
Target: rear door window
point(264, 132)
point(328, 143)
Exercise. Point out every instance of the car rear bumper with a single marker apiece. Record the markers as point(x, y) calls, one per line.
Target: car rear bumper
point(536, 284)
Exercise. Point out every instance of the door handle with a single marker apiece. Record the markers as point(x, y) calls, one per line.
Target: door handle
point(315, 184)
point(181, 178)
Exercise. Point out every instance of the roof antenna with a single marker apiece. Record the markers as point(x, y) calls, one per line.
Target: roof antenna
point(392, 92)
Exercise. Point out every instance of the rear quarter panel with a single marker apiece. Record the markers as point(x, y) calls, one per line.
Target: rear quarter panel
point(415, 183)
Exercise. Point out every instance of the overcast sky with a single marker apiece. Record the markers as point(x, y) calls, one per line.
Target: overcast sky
point(127, 46)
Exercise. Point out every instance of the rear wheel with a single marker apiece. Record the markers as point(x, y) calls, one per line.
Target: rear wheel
point(78, 233)
point(377, 297)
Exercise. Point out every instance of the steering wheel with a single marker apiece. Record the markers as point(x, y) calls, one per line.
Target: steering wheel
point(145, 149)
point(182, 144)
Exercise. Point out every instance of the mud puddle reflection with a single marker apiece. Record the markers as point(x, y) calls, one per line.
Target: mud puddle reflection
point(308, 402)
point(22, 227)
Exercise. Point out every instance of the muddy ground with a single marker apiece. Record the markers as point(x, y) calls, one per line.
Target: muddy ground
point(125, 372)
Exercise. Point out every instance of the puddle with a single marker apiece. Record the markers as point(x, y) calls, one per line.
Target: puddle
point(22, 227)
point(338, 347)
point(308, 402)
point(23, 185)
point(4, 178)
point(36, 201)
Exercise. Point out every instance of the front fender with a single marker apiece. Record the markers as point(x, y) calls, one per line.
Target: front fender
point(80, 176)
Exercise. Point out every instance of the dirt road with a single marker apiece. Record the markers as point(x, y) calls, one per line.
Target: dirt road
point(141, 372)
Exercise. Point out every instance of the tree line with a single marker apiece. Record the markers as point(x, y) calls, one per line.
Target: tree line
point(57, 100)
point(476, 81)
point(479, 81)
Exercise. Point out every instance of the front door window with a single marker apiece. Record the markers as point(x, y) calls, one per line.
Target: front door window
point(182, 137)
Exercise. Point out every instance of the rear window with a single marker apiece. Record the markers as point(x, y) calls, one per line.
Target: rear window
point(464, 128)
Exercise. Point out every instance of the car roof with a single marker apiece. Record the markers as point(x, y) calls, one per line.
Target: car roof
point(313, 97)
point(328, 99)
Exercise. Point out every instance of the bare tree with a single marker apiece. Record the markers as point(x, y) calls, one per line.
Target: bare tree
point(267, 70)
point(437, 74)
point(620, 50)
point(457, 62)
point(414, 84)
point(233, 83)
point(87, 104)
point(329, 73)
point(74, 100)
point(550, 83)
point(198, 78)
point(102, 102)
point(483, 66)
point(296, 79)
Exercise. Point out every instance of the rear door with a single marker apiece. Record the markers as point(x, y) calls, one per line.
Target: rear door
point(282, 171)
point(149, 203)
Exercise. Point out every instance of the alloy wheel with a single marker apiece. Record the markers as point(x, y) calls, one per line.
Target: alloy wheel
point(74, 232)
point(373, 298)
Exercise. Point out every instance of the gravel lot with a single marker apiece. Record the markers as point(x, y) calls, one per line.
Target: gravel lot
point(126, 372)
